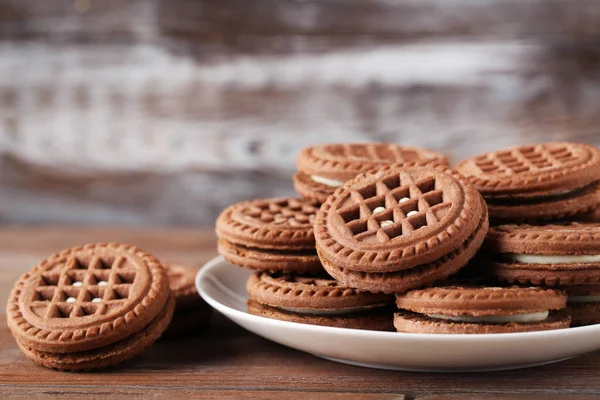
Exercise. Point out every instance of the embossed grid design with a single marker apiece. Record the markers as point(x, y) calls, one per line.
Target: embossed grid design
point(286, 211)
point(524, 159)
point(57, 285)
point(376, 152)
point(425, 205)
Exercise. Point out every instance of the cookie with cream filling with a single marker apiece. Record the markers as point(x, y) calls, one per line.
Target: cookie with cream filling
point(480, 309)
point(317, 300)
point(553, 255)
point(546, 181)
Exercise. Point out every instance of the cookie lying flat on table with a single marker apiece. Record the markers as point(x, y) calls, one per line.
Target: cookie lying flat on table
point(191, 311)
point(549, 255)
point(538, 182)
point(480, 309)
point(400, 227)
point(90, 307)
point(583, 304)
point(270, 235)
point(317, 301)
point(323, 168)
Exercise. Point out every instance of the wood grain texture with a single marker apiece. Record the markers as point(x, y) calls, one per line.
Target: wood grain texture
point(187, 106)
point(226, 361)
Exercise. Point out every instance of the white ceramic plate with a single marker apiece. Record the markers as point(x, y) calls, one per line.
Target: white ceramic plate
point(223, 286)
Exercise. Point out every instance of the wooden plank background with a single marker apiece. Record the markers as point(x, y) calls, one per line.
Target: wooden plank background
point(147, 112)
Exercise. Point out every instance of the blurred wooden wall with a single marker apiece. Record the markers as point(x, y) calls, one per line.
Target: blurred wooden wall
point(165, 111)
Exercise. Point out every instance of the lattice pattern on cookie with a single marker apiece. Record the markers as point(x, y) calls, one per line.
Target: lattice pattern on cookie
point(82, 287)
point(524, 159)
point(393, 207)
point(376, 152)
point(291, 212)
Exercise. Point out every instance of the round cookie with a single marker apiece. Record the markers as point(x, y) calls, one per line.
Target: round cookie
point(323, 168)
point(549, 255)
point(318, 301)
point(106, 356)
point(480, 309)
point(583, 304)
point(191, 311)
point(537, 182)
point(182, 283)
point(270, 235)
point(87, 297)
point(400, 227)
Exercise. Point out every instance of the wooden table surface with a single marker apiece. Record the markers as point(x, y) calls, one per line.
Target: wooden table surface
point(226, 361)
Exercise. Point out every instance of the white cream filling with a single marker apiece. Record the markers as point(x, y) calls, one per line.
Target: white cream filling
point(323, 312)
point(326, 181)
point(543, 259)
point(590, 298)
point(532, 317)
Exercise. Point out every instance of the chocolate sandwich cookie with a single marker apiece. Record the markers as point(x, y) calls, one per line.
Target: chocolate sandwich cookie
point(324, 168)
point(548, 255)
point(191, 311)
point(540, 182)
point(90, 307)
point(270, 235)
point(317, 301)
point(583, 304)
point(480, 309)
point(400, 227)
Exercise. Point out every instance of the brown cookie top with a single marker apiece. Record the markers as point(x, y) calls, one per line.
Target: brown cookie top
point(533, 170)
point(279, 223)
point(397, 217)
point(572, 238)
point(481, 300)
point(310, 293)
point(181, 279)
point(345, 161)
point(87, 297)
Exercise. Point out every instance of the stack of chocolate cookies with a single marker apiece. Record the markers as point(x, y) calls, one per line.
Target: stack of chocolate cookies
point(95, 306)
point(388, 220)
point(275, 237)
point(543, 200)
point(90, 307)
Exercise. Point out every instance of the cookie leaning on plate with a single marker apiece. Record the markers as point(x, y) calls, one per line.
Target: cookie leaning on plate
point(323, 168)
point(540, 182)
point(400, 227)
point(90, 307)
point(270, 235)
point(480, 309)
point(317, 301)
point(191, 311)
point(550, 255)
